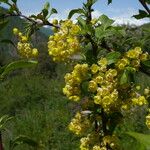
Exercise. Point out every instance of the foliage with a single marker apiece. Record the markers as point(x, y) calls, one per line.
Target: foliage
point(41, 98)
point(104, 79)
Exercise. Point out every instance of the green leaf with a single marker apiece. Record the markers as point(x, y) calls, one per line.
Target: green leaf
point(3, 120)
point(47, 5)
point(17, 65)
point(4, 1)
point(84, 87)
point(146, 63)
point(53, 11)
point(3, 24)
point(22, 139)
point(45, 12)
point(142, 14)
point(144, 139)
point(147, 1)
point(94, 1)
point(15, 1)
point(124, 77)
point(75, 11)
point(109, 2)
point(112, 57)
point(81, 22)
point(118, 30)
point(105, 21)
point(99, 32)
point(2, 69)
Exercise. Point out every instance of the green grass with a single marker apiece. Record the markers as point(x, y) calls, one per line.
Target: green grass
point(41, 112)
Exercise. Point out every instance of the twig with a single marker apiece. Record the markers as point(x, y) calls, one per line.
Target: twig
point(29, 19)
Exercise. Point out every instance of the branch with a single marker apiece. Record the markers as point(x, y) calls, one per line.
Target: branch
point(29, 19)
point(104, 122)
point(145, 5)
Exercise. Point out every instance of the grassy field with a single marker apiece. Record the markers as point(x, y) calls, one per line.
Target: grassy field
point(41, 112)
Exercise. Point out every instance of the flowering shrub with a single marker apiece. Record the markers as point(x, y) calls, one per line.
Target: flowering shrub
point(102, 81)
point(105, 93)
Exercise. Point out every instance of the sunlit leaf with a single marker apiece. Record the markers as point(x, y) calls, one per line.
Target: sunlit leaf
point(17, 65)
point(75, 11)
point(47, 5)
point(112, 57)
point(124, 77)
point(105, 21)
point(3, 120)
point(144, 139)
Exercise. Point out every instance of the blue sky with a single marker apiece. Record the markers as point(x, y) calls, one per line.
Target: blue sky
point(120, 10)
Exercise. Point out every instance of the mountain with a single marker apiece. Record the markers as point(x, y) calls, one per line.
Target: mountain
point(47, 31)
point(7, 51)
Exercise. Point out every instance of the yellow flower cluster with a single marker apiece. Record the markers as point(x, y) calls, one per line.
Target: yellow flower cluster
point(79, 124)
point(147, 92)
point(24, 47)
point(132, 58)
point(64, 43)
point(92, 143)
point(85, 141)
point(112, 141)
point(139, 101)
point(134, 99)
point(103, 84)
point(73, 80)
point(148, 120)
point(97, 147)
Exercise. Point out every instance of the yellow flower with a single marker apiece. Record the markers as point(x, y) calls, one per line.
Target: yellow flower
point(146, 91)
point(92, 86)
point(97, 100)
point(94, 68)
point(144, 56)
point(139, 101)
point(78, 124)
point(15, 31)
point(103, 62)
point(99, 79)
point(97, 147)
point(55, 21)
point(34, 52)
point(134, 53)
point(148, 121)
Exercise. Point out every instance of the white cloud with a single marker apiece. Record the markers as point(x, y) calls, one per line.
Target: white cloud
point(129, 20)
point(96, 14)
point(121, 16)
point(125, 17)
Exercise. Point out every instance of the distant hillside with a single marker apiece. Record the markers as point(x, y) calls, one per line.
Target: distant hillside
point(7, 51)
point(145, 26)
point(46, 30)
